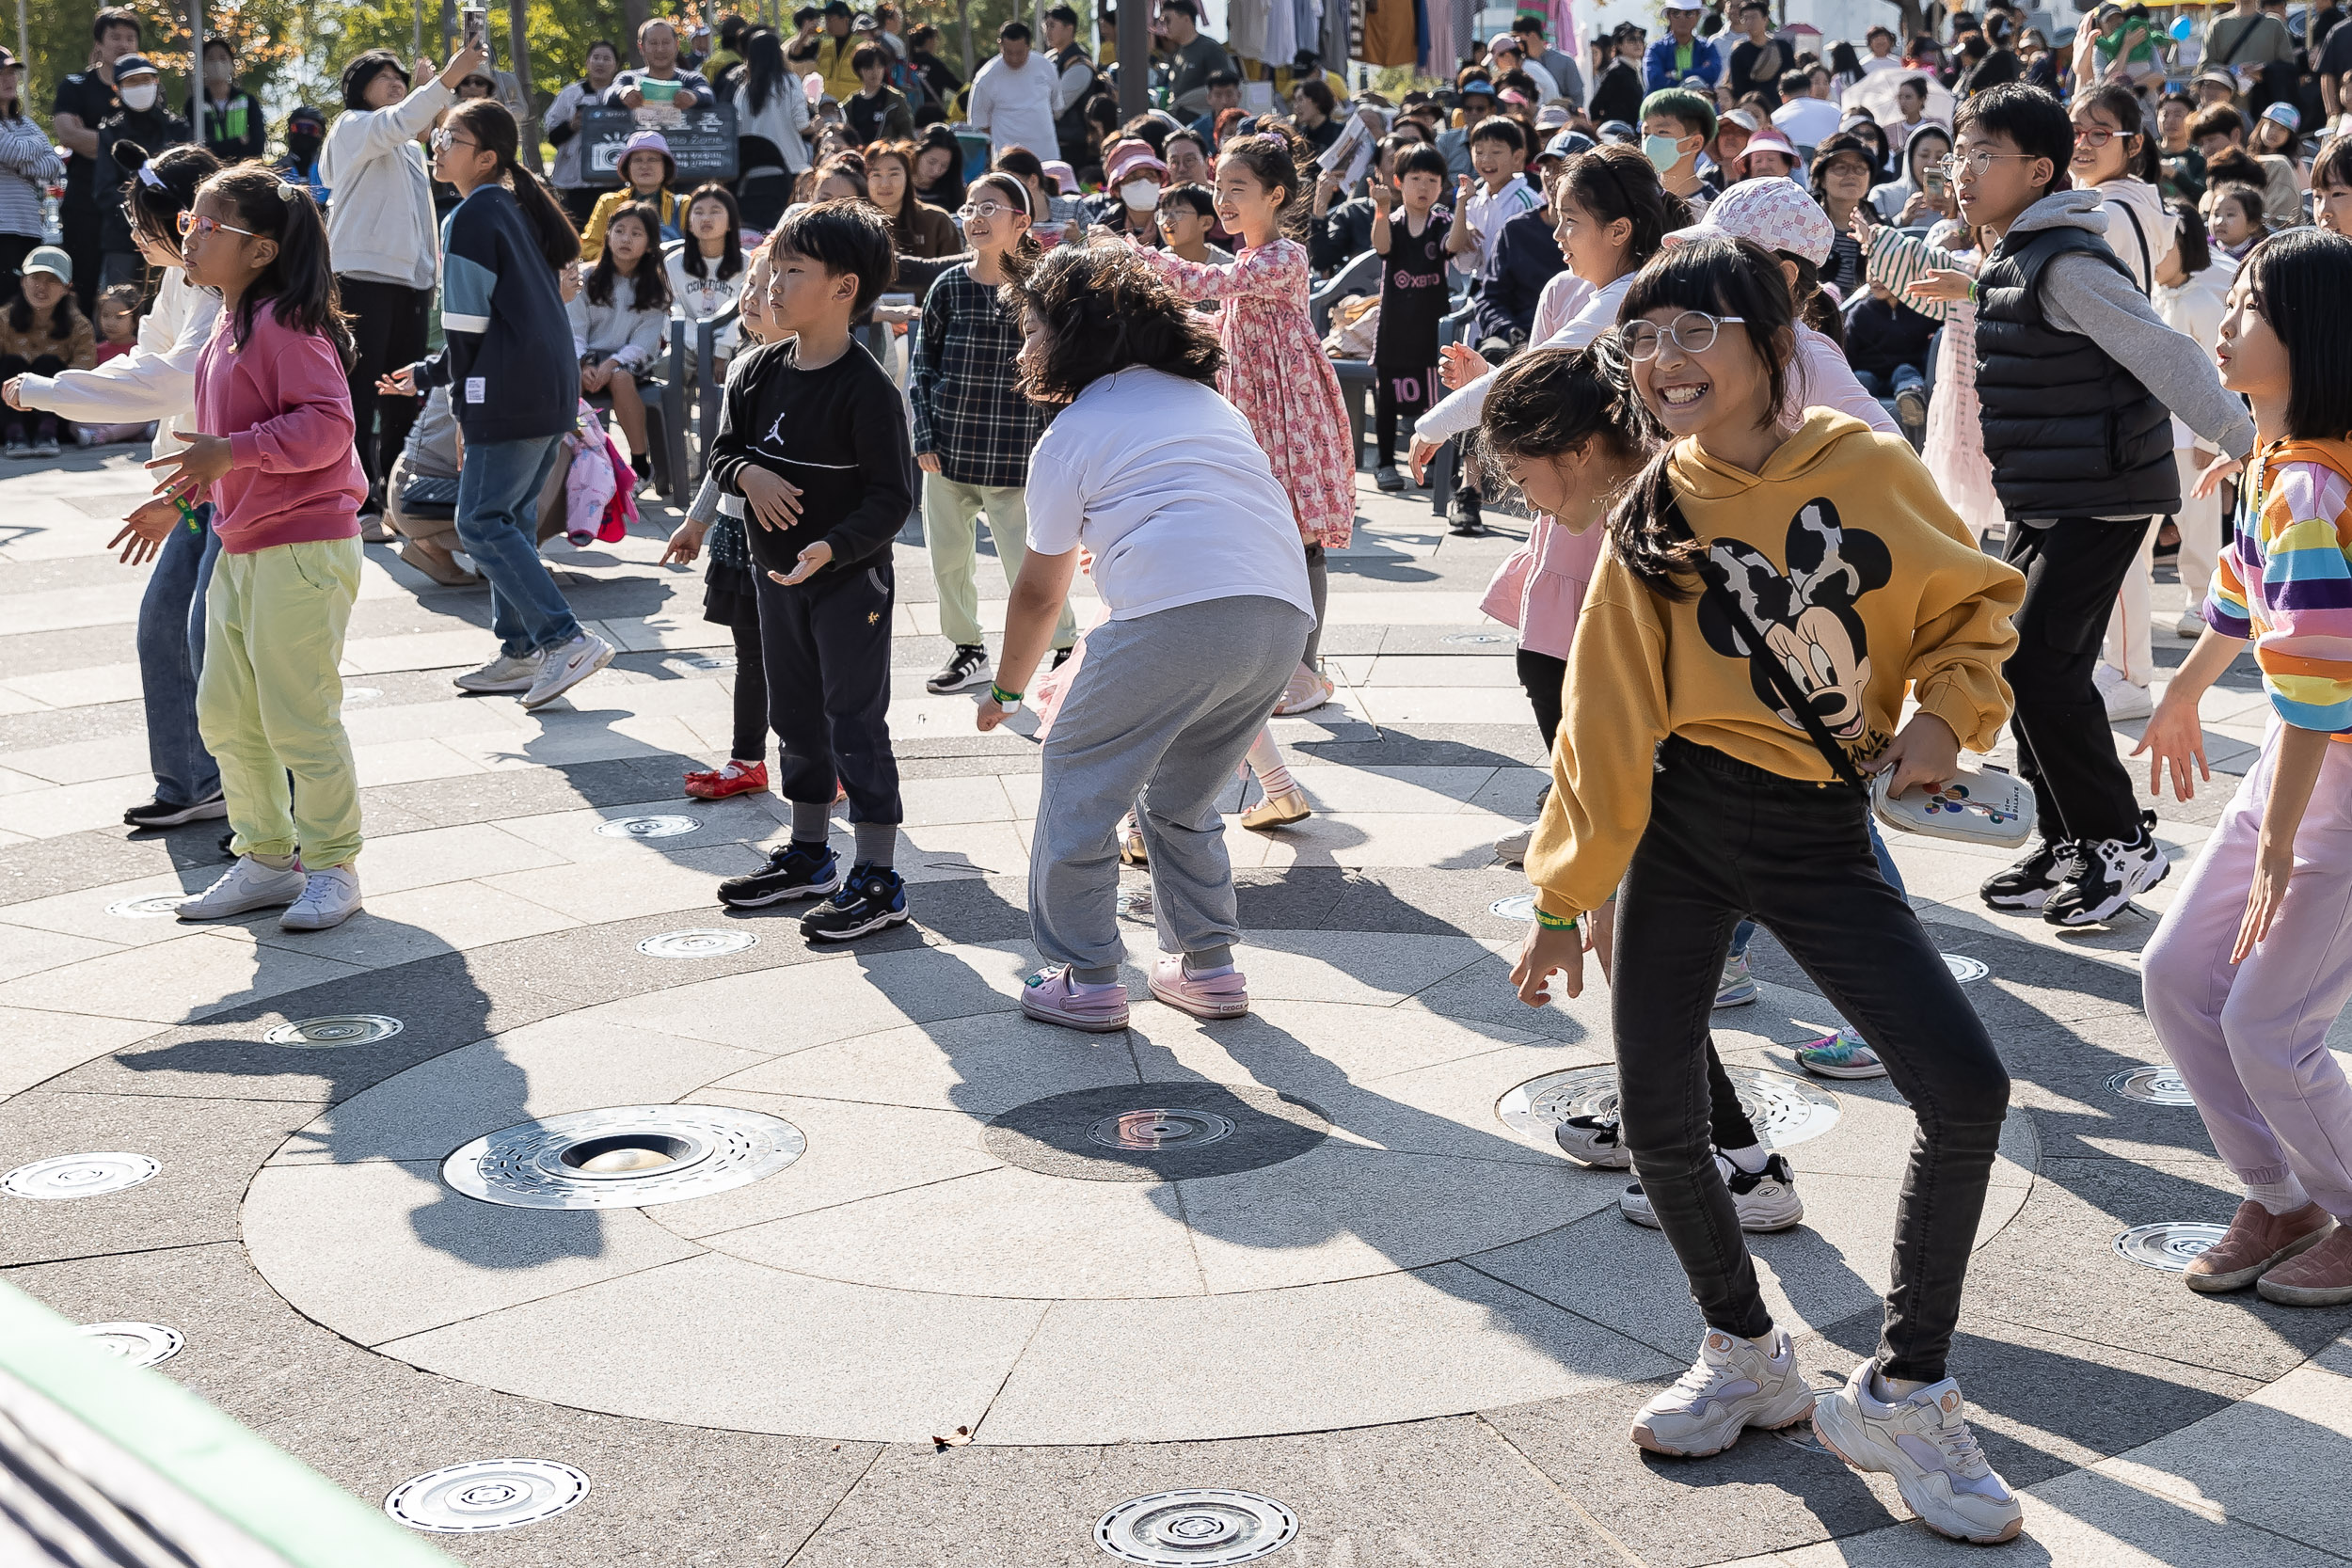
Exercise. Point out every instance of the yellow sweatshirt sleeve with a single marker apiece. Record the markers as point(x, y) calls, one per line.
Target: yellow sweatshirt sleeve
point(1965, 635)
point(1603, 760)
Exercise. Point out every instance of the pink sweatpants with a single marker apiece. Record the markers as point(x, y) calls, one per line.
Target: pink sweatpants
point(2250, 1040)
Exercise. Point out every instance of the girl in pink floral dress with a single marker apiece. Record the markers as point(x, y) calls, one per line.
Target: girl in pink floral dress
point(1277, 375)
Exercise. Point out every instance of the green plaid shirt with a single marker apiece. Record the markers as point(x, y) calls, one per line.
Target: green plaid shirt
point(967, 409)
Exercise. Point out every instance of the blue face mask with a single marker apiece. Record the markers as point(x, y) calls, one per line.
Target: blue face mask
point(1664, 152)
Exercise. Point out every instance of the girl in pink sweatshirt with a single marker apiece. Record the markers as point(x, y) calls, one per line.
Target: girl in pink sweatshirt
point(272, 452)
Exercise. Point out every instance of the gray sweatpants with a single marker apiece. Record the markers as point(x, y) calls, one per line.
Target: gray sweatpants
point(1161, 713)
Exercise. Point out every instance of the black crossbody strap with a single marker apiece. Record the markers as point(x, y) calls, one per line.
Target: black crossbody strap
point(1775, 672)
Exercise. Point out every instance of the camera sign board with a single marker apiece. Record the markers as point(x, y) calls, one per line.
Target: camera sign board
point(702, 141)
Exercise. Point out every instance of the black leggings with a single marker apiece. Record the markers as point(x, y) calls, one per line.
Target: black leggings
point(1724, 839)
point(1543, 676)
point(751, 696)
point(389, 329)
point(1407, 393)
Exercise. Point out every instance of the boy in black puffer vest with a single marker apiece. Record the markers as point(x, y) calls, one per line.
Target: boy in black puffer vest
point(2077, 377)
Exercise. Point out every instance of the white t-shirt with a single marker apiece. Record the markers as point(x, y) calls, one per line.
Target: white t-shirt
point(1808, 122)
point(1162, 479)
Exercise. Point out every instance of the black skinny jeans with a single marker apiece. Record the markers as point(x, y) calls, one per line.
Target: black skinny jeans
point(2065, 749)
point(13, 365)
point(1543, 677)
point(1726, 840)
point(751, 696)
point(389, 326)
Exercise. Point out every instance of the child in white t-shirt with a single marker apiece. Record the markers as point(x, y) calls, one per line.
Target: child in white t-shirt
point(1199, 561)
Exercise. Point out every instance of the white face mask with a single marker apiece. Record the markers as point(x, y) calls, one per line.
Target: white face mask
point(218, 70)
point(140, 95)
point(1141, 195)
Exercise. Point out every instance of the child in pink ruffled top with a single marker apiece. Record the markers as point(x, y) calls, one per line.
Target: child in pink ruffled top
point(1277, 375)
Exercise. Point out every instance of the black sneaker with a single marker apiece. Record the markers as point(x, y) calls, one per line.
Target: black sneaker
point(874, 897)
point(1593, 1141)
point(794, 871)
point(967, 666)
point(2027, 885)
point(1061, 656)
point(164, 813)
point(1467, 521)
point(2109, 875)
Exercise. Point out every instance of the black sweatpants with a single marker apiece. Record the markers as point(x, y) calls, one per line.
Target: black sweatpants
point(1725, 839)
point(15, 365)
point(2065, 749)
point(1399, 393)
point(389, 324)
point(825, 648)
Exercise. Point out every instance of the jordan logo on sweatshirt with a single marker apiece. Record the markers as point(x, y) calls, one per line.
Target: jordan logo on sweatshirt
point(1805, 616)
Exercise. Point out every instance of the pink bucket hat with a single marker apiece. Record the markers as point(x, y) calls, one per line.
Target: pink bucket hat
point(1777, 215)
point(1769, 140)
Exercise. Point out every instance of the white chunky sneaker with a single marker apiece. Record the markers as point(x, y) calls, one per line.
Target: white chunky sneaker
point(1766, 1200)
point(1593, 1141)
point(329, 897)
point(1925, 1443)
point(567, 667)
point(1511, 848)
point(507, 674)
point(246, 886)
point(1731, 1386)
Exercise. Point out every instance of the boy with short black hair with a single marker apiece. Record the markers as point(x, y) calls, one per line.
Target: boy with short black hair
point(2076, 373)
point(1413, 297)
point(813, 454)
point(1501, 193)
point(1682, 122)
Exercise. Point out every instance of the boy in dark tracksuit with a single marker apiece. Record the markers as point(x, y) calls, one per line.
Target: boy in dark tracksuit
point(2076, 373)
point(813, 455)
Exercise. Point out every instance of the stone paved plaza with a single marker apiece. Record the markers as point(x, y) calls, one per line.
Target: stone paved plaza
point(1355, 1276)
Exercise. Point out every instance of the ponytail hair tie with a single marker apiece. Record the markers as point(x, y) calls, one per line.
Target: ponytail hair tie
point(286, 193)
point(148, 177)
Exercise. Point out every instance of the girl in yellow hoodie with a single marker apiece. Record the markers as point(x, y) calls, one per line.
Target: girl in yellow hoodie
point(1683, 788)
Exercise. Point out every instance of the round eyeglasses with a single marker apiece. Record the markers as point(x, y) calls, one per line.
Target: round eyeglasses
point(1694, 332)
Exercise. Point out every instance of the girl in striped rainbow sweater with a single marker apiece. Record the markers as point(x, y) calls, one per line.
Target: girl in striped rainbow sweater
point(2253, 961)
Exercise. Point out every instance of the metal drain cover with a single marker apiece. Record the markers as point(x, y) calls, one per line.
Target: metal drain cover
point(628, 1157)
point(1965, 968)
point(708, 662)
point(1200, 1526)
point(1135, 905)
point(155, 906)
point(66, 1176)
point(1786, 1110)
point(700, 942)
point(140, 1344)
point(2153, 1086)
point(1473, 638)
point(486, 1495)
point(647, 826)
point(2169, 1246)
point(1155, 1131)
point(1520, 906)
point(322, 1034)
point(1151, 1129)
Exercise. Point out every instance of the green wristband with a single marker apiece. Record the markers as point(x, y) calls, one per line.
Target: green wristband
point(1002, 697)
point(1551, 922)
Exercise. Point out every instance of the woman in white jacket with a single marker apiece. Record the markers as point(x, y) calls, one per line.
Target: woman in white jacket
point(772, 112)
point(156, 380)
point(2115, 156)
point(383, 240)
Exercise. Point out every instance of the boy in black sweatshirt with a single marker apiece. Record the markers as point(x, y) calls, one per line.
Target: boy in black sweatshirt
point(813, 455)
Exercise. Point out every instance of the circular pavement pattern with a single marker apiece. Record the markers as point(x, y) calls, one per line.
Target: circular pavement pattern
point(1155, 1131)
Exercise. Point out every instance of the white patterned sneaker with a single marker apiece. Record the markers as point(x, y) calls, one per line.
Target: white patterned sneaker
point(1764, 1200)
point(1842, 1054)
point(329, 897)
point(505, 674)
point(1593, 1141)
point(246, 886)
point(567, 667)
point(1308, 690)
point(1733, 1385)
point(1925, 1443)
point(1737, 987)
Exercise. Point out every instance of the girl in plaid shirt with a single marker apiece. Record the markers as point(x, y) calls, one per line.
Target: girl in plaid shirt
point(972, 429)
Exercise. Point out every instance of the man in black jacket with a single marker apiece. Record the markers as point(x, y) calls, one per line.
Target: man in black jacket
point(2076, 381)
point(143, 119)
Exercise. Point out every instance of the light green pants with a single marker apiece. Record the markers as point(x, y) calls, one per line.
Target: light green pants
point(948, 511)
point(270, 699)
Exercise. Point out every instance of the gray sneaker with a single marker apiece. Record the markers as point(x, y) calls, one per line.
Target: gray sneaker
point(507, 674)
point(246, 886)
point(567, 667)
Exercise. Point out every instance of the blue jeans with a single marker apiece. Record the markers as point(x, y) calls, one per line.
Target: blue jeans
point(1888, 386)
point(497, 522)
point(1746, 933)
point(171, 653)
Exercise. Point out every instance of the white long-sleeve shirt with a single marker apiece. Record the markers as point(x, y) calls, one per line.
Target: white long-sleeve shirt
point(783, 120)
point(1017, 107)
point(379, 223)
point(156, 380)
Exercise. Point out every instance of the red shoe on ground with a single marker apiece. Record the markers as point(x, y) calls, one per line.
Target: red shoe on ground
point(736, 778)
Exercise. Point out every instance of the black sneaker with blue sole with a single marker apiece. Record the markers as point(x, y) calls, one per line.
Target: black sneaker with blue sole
point(792, 872)
point(873, 897)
